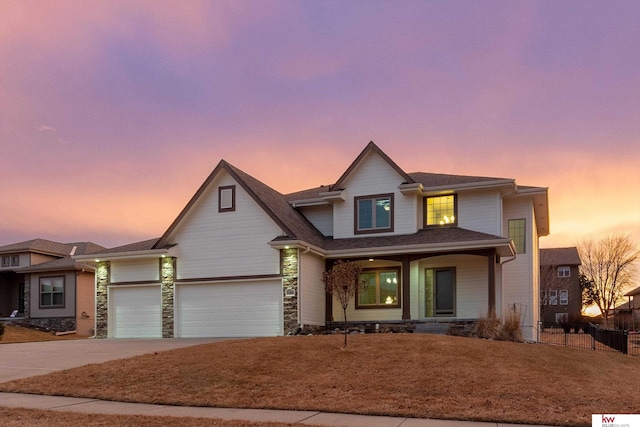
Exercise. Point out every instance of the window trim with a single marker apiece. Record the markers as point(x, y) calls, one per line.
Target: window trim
point(564, 268)
point(221, 189)
point(44, 306)
point(379, 270)
point(563, 297)
point(524, 235)
point(374, 229)
point(425, 211)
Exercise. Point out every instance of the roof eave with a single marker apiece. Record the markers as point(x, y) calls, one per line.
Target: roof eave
point(151, 253)
point(469, 186)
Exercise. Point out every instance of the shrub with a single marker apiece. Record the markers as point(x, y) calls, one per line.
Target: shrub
point(507, 329)
point(488, 327)
point(1, 330)
point(510, 328)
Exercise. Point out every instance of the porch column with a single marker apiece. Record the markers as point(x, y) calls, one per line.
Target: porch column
point(328, 308)
point(406, 288)
point(491, 268)
point(167, 277)
point(103, 278)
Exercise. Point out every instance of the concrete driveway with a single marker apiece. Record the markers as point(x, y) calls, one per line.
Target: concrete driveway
point(38, 358)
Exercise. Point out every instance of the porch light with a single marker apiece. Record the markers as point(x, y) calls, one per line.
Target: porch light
point(370, 259)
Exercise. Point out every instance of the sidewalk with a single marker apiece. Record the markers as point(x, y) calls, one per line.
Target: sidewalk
point(93, 406)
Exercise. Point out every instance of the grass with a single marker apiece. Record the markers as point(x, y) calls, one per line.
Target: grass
point(40, 418)
point(17, 334)
point(383, 374)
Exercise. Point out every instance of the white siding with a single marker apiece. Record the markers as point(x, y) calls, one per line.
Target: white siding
point(311, 290)
point(520, 277)
point(472, 293)
point(321, 217)
point(222, 244)
point(137, 270)
point(374, 176)
point(480, 211)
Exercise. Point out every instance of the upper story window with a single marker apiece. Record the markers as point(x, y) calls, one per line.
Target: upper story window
point(227, 198)
point(564, 297)
point(52, 291)
point(517, 233)
point(441, 210)
point(383, 289)
point(374, 214)
point(15, 260)
point(5, 260)
point(564, 271)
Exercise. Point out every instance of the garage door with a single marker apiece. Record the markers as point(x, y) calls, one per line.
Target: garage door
point(229, 309)
point(135, 312)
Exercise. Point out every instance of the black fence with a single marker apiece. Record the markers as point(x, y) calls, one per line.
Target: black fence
point(590, 337)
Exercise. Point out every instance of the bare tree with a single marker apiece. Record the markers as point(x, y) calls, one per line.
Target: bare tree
point(343, 281)
point(609, 264)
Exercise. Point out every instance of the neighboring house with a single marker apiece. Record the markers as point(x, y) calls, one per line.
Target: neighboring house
point(41, 285)
point(560, 292)
point(627, 316)
point(242, 259)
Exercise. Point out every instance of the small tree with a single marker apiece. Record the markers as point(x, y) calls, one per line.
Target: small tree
point(609, 264)
point(343, 281)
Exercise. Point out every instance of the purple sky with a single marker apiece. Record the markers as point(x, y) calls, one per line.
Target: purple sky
point(112, 113)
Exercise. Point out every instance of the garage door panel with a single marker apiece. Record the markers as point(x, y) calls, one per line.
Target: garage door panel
point(229, 309)
point(135, 312)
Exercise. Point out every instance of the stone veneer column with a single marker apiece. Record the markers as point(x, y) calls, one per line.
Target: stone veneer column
point(289, 262)
point(167, 276)
point(103, 278)
point(27, 296)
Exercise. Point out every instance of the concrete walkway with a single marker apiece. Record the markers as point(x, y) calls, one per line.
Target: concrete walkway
point(93, 406)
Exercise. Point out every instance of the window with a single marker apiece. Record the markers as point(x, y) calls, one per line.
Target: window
point(5, 261)
point(383, 289)
point(15, 260)
point(564, 297)
point(553, 297)
point(543, 298)
point(564, 271)
point(52, 291)
point(374, 213)
point(517, 234)
point(227, 198)
point(441, 210)
point(440, 292)
point(562, 317)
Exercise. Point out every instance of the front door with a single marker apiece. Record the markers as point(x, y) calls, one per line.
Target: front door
point(440, 291)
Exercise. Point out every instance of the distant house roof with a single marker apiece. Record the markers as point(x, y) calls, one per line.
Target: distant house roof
point(633, 292)
point(60, 264)
point(560, 256)
point(50, 247)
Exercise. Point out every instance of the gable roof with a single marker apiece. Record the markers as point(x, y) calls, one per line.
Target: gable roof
point(60, 264)
point(292, 222)
point(560, 256)
point(370, 148)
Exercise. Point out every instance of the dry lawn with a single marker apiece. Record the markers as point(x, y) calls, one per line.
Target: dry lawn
point(16, 334)
point(387, 374)
point(39, 418)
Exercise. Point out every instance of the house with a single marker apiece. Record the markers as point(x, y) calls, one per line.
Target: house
point(242, 259)
point(560, 292)
point(41, 285)
point(627, 316)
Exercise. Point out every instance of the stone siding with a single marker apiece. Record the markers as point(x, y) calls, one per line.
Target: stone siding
point(54, 324)
point(102, 304)
point(289, 262)
point(167, 275)
point(27, 296)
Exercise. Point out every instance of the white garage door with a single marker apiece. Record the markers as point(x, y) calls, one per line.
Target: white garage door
point(135, 312)
point(229, 309)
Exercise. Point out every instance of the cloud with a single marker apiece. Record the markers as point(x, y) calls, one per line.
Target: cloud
point(45, 128)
